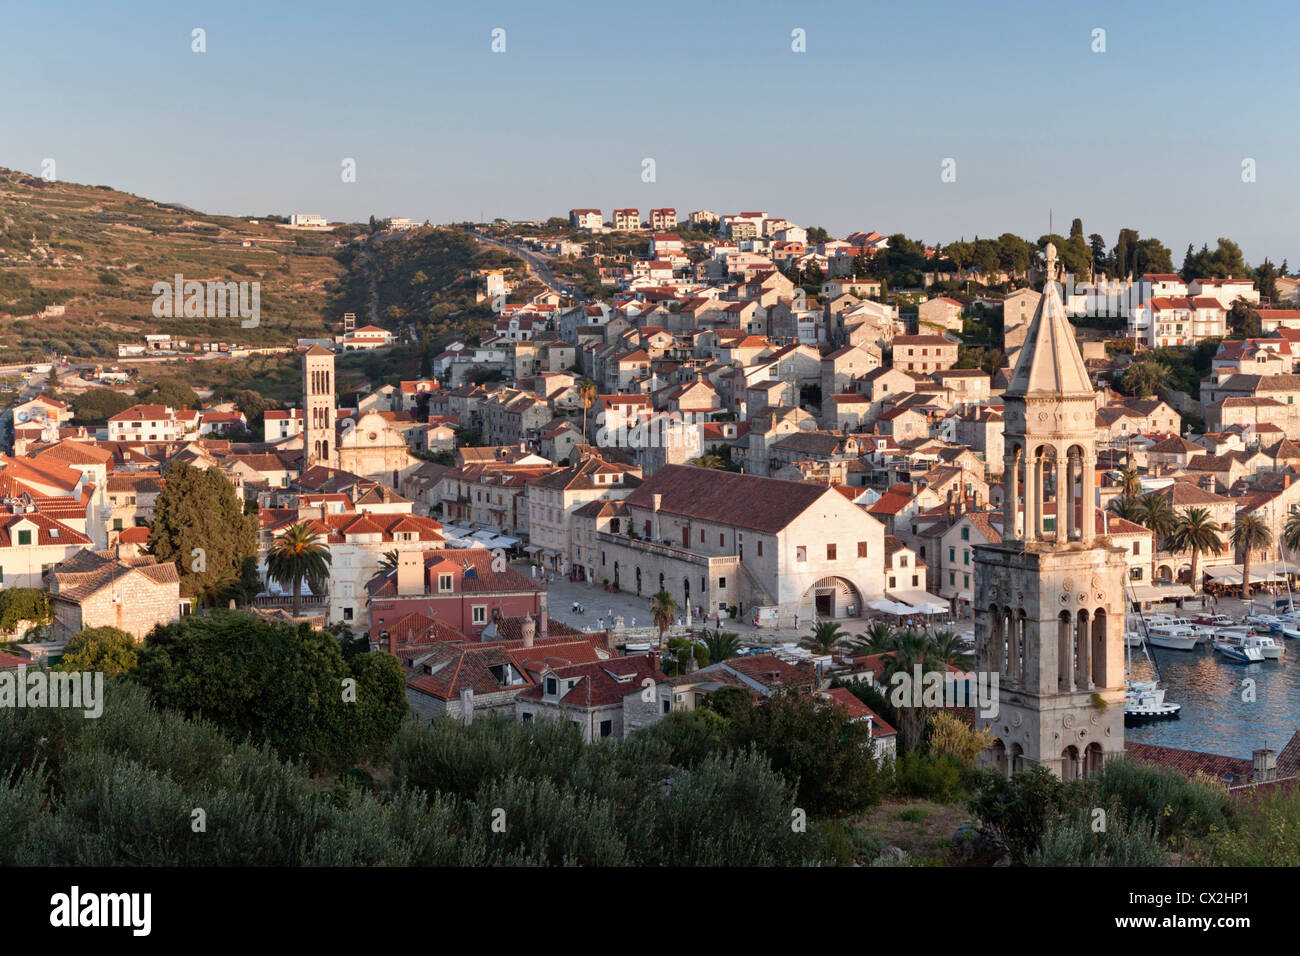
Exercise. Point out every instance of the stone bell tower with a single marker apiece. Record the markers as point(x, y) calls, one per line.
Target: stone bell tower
point(319, 430)
point(1049, 598)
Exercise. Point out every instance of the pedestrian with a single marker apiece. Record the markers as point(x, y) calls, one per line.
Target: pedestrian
point(600, 623)
point(634, 620)
point(796, 620)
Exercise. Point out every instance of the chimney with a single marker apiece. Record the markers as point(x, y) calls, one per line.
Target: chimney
point(391, 639)
point(653, 657)
point(542, 619)
point(410, 573)
point(467, 706)
point(1286, 479)
point(656, 501)
point(527, 629)
point(1265, 765)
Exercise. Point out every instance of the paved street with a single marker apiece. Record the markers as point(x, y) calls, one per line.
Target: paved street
point(599, 603)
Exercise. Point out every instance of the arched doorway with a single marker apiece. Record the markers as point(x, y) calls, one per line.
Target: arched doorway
point(1017, 758)
point(834, 597)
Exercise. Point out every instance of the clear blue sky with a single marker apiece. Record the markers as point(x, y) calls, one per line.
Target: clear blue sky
point(850, 135)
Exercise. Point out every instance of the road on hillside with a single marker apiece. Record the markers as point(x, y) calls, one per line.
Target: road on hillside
point(540, 265)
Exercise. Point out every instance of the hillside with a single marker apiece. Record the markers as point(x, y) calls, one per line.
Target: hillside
point(98, 252)
point(424, 280)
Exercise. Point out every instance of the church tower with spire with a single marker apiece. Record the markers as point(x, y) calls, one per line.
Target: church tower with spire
point(1049, 598)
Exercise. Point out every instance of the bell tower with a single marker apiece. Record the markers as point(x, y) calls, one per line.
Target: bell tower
point(318, 426)
point(1049, 598)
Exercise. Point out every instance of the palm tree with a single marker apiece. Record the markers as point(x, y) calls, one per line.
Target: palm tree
point(721, 645)
point(876, 634)
point(387, 561)
point(950, 649)
point(297, 555)
point(708, 461)
point(825, 636)
point(663, 611)
point(219, 590)
point(1291, 531)
point(1250, 533)
point(587, 393)
point(1130, 482)
point(906, 649)
point(1158, 517)
point(1196, 532)
point(1126, 507)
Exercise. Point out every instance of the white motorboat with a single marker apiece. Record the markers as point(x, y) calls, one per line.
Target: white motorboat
point(1244, 649)
point(1288, 627)
point(1173, 637)
point(1132, 639)
point(1145, 701)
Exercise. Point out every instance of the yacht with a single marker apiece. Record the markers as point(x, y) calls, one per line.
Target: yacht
point(1145, 701)
point(1173, 637)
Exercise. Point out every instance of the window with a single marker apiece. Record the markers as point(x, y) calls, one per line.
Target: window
point(893, 583)
point(551, 685)
point(1135, 574)
point(965, 557)
point(720, 540)
point(606, 728)
point(1137, 547)
point(701, 536)
point(965, 580)
point(722, 582)
point(965, 534)
point(952, 555)
point(801, 553)
point(525, 718)
point(760, 549)
point(862, 549)
point(347, 614)
point(668, 705)
point(830, 552)
point(444, 582)
point(25, 537)
point(479, 614)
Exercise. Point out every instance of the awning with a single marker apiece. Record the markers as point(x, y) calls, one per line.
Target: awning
point(886, 606)
point(1159, 592)
point(532, 549)
point(1232, 574)
point(922, 602)
point(1281, 568)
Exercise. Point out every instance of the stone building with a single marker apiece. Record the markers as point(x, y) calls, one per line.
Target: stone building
point(1049, 597)
point(99, 588)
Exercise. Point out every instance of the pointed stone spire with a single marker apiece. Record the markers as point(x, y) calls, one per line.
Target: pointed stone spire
point(1049, 362)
